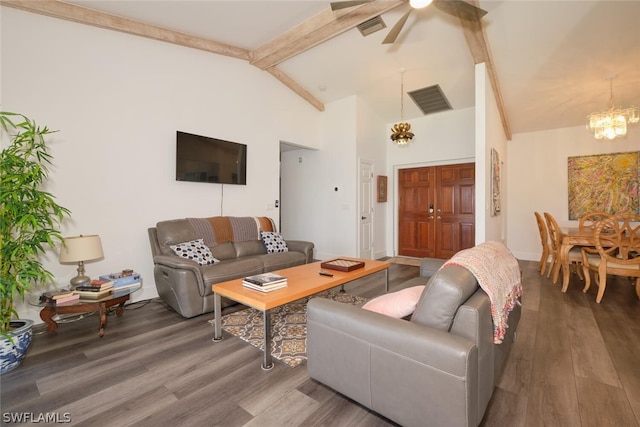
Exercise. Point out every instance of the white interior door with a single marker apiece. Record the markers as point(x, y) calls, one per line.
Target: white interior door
point(365, 233)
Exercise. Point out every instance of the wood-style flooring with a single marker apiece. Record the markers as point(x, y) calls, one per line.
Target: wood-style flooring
point(576, 363)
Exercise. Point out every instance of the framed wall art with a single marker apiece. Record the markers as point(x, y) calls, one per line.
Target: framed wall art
point(495, 183)
point(603, 183)
point(382, 188)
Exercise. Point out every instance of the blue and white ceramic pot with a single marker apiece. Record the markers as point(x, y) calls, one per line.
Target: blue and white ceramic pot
point(12, 353)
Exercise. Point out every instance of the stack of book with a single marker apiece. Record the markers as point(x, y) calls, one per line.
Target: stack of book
point(61, 297)
point(265, 282)
point(123, 280)
point(95, 290)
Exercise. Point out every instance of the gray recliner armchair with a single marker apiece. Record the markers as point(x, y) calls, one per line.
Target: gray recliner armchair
point(438, 368)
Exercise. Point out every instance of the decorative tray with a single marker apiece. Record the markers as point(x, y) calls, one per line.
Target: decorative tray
point(342, 264)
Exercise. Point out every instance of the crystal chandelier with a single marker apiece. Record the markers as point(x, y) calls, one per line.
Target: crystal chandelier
point(401, 132)
point(612, 122)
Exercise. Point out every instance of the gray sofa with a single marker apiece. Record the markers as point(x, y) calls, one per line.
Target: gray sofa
point(439, 368)
point(235, 241)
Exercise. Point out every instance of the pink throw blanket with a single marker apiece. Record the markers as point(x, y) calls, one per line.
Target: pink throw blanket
point(498, 274)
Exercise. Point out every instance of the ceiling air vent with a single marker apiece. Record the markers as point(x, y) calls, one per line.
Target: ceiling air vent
point(371, 26)
point(430, 99)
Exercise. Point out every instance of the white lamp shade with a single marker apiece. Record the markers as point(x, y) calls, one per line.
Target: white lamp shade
point(81, 248)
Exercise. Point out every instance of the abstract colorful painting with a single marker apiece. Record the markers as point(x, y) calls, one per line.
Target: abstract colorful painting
point(604, 183)
point(495, 183)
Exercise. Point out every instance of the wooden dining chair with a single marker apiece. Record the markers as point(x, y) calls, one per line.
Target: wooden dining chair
point(617, 243)
point(555, 237)
point(544, 240)
point(590, 220)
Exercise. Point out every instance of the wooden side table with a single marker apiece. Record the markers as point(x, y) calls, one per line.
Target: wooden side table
point(85, 306)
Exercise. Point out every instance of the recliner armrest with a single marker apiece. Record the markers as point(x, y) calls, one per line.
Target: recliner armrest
point(302, 246)
point(176, 262)
point(171, 262)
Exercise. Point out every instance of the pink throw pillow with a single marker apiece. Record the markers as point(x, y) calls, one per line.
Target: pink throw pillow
point(396, 304)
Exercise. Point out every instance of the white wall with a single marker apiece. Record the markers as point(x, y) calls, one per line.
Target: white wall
point(371, 145)
point(489, 135)
point(441, 138)
point(309, 178)
point(117, 101)
point(537, 177)
point(324, 215)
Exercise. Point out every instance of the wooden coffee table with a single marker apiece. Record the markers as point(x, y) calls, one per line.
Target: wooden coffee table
point(302, 281)
point(117, 297)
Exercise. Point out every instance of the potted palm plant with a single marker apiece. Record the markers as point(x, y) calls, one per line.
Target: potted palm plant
point(29, 221)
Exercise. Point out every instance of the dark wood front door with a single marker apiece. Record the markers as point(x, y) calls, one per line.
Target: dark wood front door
point(436, 210)
point(417, 205)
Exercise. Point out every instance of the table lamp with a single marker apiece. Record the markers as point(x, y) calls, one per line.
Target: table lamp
point(80, 249)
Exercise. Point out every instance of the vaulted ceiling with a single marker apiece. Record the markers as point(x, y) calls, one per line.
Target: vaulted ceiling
point(550, 60)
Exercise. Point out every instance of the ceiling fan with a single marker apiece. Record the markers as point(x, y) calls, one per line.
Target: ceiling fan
point(459, 8)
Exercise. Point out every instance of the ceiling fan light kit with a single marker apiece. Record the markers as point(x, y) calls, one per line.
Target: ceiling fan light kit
point(419, 4)
point(612, 122)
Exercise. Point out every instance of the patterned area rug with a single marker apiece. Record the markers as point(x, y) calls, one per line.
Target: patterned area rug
point(288, 325)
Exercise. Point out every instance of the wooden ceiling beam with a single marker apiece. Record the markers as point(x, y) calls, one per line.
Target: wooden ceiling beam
point(479, 47)
point(83, 15)
point(294, 86)
point(316, 30)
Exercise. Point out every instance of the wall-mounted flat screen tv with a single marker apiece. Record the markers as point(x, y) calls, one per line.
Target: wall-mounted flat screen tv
point(204, 159)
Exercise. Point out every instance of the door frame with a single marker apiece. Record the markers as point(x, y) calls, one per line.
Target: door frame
point(396, 196)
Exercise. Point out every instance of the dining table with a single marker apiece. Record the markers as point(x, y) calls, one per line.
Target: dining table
point(572, 236)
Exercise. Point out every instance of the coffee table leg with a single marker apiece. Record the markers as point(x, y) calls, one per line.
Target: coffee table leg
point(386, 280)
point(267, 363)
point(217, 307)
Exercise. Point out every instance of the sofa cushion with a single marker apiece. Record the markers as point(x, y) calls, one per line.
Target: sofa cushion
point(194, 250)
point(280, 260)
point(396, 304)
point(273, 242)
point(249, 248)
point(224, 251)
point(443, 294)
point(229, 270)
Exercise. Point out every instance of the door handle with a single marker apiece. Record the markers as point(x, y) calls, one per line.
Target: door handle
point(363, 217)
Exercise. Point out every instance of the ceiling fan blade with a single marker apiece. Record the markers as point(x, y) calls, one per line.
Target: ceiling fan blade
point(345, 4)
point(393, 34)
point(460, 8)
